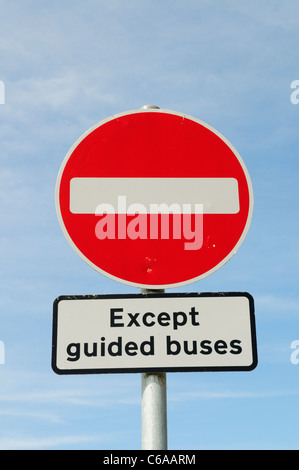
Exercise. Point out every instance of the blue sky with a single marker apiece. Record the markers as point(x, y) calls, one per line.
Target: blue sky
point(68, 65)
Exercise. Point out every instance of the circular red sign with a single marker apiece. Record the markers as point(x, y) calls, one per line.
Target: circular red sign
point(131, 173)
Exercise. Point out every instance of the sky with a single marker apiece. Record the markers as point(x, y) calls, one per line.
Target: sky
point(65, 66)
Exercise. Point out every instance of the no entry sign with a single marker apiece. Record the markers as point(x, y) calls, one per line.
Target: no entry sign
point(154, 198)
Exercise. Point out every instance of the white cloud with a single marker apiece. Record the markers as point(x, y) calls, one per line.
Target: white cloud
point(53, 92)
point(60, 92)
point(42, 415)
point(79, 397)
point(223, 395)
point(277, 304)
point(36, 443)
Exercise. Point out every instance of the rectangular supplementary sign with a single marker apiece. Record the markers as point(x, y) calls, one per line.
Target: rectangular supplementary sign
point(154, 333)
point(156, 195)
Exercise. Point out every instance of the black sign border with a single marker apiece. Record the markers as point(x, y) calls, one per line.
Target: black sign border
point(156, 369)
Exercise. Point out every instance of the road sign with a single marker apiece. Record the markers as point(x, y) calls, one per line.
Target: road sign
point(154, 198)
point(153, 333)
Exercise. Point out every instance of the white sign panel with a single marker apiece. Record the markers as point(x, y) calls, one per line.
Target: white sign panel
point(154, 332)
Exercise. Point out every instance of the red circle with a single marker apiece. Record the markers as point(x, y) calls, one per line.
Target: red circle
point(154, 144)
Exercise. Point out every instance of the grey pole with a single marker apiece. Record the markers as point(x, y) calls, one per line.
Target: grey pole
point(154, 407)
point(154, 397)
point(154, 411)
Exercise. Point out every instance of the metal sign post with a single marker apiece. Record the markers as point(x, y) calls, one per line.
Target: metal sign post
point(154, 411)
point(153, 406)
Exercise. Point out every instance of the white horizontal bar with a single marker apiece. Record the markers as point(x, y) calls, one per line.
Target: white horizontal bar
point(156, 195)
